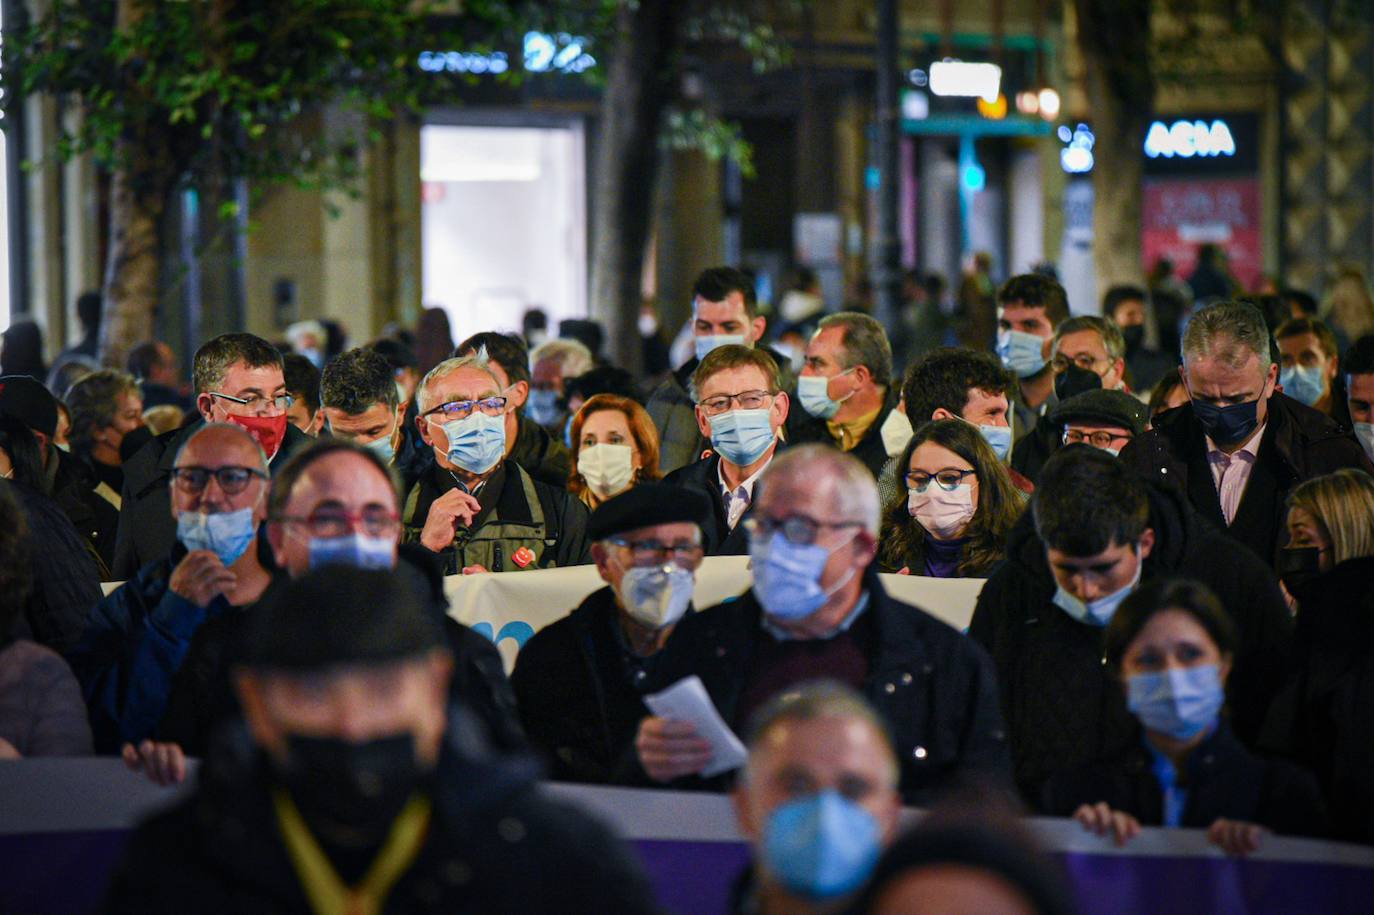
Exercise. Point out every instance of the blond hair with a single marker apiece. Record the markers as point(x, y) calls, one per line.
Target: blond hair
point(1343, 504)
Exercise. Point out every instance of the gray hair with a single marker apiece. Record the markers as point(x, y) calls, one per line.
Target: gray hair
point(448, 367)
point(1112, 341)
point(816, 699)
point(572, 356)
point(1229, 330)
point(865, 343)
point(854, 492)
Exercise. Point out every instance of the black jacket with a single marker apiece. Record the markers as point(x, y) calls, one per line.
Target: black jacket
point(1063, 707)
point(147, 530)
point(1223, 779)
point(1037, 446)
point(579, 692)
point(704, 477)
point(935, 688)
point(518, 513)
point(202, 698)
point(542, 455)
point(72, 486)
point(1298, 443)
point(1323, 718)
point(66, 580)
point(495, 844)
point(803, 428)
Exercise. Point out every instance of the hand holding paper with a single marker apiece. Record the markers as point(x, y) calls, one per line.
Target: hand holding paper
point(708, 749)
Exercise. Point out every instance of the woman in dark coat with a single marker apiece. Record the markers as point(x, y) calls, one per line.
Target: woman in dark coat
point(1323, 716)
point(1172, 645)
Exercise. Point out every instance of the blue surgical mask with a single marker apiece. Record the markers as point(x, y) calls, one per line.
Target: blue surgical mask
point(1304, 383)
point(226, 534)
point(356, 549)
point(742, 436)
point(1227, 425)
point(383, 447)
point(704, 345)
point(1021, 352)
point(1365, 433)
point(1182, 702)
point(1098, 612)
point(787, 576)
point(477, 442)
point(542, 406)
point(814, 393)
point(998, 439)
point(821, 846)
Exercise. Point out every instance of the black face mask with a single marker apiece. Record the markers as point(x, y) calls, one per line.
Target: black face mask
point(1227, 425)
point(1134, 337)
point(1298, 567)
point(349, 793)
point(1074, 380)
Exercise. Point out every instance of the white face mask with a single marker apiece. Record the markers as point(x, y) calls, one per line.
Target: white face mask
point(1365, 433)
point(608, 469)
point(944, 515)
point(896, 432)
point(656, 596)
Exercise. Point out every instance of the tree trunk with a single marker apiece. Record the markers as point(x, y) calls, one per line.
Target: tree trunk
point(1114, 38)
point(133, 268)
point(640, 85)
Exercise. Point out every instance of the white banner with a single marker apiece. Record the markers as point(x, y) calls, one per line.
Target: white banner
point(510, 607)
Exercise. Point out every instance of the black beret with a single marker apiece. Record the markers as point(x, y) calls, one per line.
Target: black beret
point(645, 505)
point(340, 615)
point(29, 402)
point(1109, 408)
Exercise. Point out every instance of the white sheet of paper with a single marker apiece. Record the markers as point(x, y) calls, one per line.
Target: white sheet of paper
point(687, 700)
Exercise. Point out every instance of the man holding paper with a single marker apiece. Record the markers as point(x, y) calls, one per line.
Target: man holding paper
point(579, 682)
point(817, 609)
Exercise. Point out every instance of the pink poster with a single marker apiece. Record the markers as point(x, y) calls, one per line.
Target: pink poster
point(1182, 214)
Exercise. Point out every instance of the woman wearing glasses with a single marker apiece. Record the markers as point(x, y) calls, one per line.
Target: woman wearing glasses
point(614, 446)
point(958, 506)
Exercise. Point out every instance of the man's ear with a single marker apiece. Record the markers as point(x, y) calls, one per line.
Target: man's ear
point(941, 413)
point(783, 404)
point(519, 394)
point(739, 799)
point(203, 403)
point(602, 558)
point(276, 539)
point(757, 327)
point(702, 425)
point(1147, 542)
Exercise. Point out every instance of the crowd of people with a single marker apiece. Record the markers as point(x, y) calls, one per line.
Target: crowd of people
point(1174, 629)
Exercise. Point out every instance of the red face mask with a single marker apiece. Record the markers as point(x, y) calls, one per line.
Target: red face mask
point(268, 431)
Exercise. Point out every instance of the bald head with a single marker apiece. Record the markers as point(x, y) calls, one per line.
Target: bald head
point(211, 449)
point(836, 485)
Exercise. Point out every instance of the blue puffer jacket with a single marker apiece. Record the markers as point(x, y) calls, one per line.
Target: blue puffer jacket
point(134, 642)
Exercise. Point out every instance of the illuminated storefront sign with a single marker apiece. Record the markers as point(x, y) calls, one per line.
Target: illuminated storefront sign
point(1186, 139)
point(542, 53)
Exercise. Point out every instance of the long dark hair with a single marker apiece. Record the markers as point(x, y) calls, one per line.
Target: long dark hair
point(16, 572)
point(17, 441)
point(999, 502)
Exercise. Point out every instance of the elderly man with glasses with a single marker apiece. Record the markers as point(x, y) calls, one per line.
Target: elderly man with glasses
point(137, 636)
point(579, 682)
point(239, 381)
point(818, 609)
point(335, 505)
point(474, 508)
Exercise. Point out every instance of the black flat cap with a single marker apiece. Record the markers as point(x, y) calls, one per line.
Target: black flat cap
point(29, 402)
point(646, 505)
point(340, 615)
point(1109, 408)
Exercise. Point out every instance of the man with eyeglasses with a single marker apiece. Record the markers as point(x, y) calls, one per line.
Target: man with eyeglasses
point(474, 508)
point(238, 380)
point(136, 638)
point(1103, 419)
point(1239, 446)
point(335, 505)
point(818, 609)
point(740, 409)
point(579, 682)
point(1087, 354)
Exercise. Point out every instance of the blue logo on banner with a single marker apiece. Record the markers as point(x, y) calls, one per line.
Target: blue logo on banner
point(521, 632)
